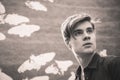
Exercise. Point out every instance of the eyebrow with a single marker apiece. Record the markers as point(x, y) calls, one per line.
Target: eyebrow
point(77, 30)
point(90, 28)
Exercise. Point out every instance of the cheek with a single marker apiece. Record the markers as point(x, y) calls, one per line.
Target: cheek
point(78, 44)
point(94, 40)
point(93, 37)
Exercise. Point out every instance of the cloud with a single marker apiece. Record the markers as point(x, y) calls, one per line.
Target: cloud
point(2, 36)
point(59, 67)
point(2, 18)
point(64, 65)
point(72, 77)
point(96, 20)
point(50, 1)
point(35, 5)
point(103, 53)
point(2, 9)
point(15, 19)
point(36, 62)
point(40, 78)
point(52, 69)
point(23, 30)
point(4, 76)
point(2, 13)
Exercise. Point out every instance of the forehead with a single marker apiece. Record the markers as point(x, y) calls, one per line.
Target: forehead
point(84, 25)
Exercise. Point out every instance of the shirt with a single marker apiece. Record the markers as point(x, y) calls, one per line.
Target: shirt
point(101, 68)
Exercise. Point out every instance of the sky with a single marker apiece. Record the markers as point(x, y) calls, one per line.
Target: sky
point(30, 35)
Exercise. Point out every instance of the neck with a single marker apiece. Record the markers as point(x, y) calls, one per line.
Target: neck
point(85, 59)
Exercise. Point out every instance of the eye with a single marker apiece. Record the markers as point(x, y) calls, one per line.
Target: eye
point(90, 30)
point(78, 32)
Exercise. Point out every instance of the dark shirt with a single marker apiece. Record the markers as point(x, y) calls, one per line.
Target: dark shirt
point(101, 68)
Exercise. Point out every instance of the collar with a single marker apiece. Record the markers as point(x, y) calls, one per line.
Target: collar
point(93, 63)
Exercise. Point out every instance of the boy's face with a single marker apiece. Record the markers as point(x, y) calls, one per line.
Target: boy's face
point(84, 39)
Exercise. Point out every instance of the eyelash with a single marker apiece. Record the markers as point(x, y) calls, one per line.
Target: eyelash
point(90, 30)
point(76, 33)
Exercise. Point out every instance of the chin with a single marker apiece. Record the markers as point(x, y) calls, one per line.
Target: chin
point(88, 51)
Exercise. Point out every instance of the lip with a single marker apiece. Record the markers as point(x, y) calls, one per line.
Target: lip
point(87, 44)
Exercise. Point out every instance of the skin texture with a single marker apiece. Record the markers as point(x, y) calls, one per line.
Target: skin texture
point(83, 44)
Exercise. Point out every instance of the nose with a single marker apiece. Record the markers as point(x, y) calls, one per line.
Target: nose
point(86, 36)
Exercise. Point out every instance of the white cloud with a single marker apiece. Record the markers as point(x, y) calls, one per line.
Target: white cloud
point(72, 77)
point(36, 62)
point(64, 65)
point(25, 78)
point(52, 69)
point(50, 1)
point(103, 53)
point(2, 8)
point(2, 18)
point(2, 13)
point(4, 76)
point(2, 36)
point(96, 20)
point(40, 78)
point(59, 67)
point(36, 5)
point(15, 19)
point(23, 30)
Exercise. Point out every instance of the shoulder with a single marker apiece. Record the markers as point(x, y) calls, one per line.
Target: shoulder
point(114, 62)
point(110, 58)
point(113, 66)
point(111, 62)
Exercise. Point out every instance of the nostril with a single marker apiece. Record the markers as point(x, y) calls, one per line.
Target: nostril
point(86, 38)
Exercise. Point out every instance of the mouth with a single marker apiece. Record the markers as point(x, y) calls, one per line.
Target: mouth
point(87, 44)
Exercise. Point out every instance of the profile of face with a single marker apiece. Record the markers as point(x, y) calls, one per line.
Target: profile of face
point(84, 39)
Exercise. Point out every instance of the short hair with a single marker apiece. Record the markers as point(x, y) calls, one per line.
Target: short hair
point(71, 23)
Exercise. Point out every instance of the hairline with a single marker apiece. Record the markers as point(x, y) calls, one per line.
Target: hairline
point(75, 25)
point(69, 25)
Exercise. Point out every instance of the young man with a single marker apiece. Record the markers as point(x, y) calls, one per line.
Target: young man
point(79, 36)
